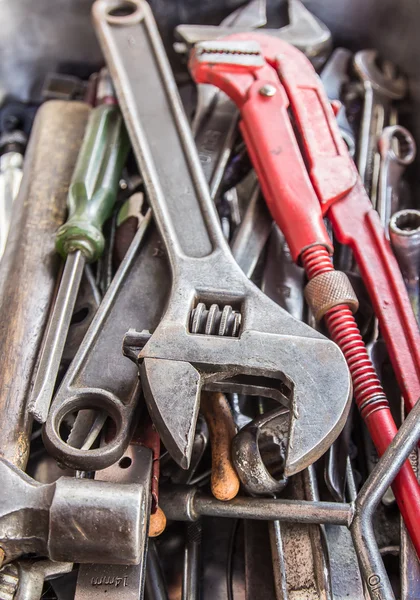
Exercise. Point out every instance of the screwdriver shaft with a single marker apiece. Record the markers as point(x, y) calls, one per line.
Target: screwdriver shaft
point(55, 337)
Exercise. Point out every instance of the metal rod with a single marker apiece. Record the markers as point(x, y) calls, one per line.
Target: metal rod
point(56, 335)
point(368, 499)
point(185, 503)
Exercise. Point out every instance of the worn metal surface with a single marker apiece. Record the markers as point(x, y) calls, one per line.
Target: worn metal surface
point(259, 580)
point(136, 296)
point(249, 453)
point(121, 581)
point(185, 503)
point(368, 499)
point(54, 520)
point(381, 86)
point(202, 266)
point(397, 150)
point(30, 265)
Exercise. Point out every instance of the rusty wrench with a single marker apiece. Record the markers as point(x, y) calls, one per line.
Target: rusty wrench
point(219, 330)
point(264, 77)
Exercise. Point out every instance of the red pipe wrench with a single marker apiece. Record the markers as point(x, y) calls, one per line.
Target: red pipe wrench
point(306, 173)
point(303, 182)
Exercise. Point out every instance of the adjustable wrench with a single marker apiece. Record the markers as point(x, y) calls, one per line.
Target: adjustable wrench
point(144, 274)
point(381, 86)
point(264, 77)
point(219, 330)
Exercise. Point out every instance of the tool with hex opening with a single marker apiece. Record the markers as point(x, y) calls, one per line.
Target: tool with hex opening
point(219, 332)
point(92, 194)
point(303, 182)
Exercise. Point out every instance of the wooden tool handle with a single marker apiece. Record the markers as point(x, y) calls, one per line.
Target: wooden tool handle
point(29, 267)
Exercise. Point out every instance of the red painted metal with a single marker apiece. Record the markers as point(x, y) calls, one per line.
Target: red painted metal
point(306, 173)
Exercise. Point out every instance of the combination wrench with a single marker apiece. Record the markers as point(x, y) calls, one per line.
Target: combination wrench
point(335, 76)
point(219, 331)
point(381, 87)
point(395, 157)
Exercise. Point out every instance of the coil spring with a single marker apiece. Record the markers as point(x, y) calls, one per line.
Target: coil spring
point(214, 321)
point(344, 331)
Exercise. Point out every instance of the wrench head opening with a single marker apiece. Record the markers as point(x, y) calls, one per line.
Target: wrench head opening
point(306, 374)
point(387, 82)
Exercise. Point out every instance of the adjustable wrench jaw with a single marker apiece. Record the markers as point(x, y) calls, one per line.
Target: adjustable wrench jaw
point(274, 356)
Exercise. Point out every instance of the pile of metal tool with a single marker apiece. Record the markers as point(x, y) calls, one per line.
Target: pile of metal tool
point(241, 266)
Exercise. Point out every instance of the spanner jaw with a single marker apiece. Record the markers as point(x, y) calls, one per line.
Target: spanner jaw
point(306, 374)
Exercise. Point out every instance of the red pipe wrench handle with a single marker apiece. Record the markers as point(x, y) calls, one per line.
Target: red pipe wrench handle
point(271, 142)
point(357, 224)
point(282, 174)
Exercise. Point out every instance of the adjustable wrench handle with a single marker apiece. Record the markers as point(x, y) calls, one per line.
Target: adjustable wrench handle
point(180, 199)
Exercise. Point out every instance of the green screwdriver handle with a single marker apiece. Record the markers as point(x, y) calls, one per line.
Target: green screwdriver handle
point(94, 185)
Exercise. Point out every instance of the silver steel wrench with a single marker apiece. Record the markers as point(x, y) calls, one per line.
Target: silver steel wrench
point(219, 330)
point(334, 76)
point(397, 150)
point(381, 86)
point(144, 275)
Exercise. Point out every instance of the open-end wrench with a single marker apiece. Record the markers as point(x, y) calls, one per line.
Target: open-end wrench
point(265, 77)
point(219, 330)
point(393, 164)
point(305, 31)
point(381, 86)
